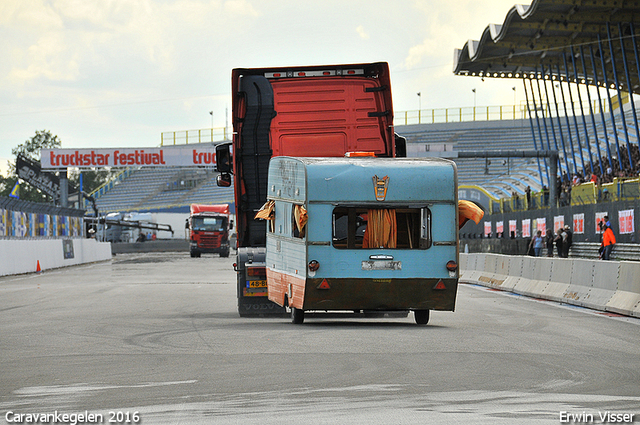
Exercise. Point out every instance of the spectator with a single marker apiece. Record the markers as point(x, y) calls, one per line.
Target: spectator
point(537, 242)
point(608, 241)
point(558, 240)
point(567, 241)
point(549, 243)
point(527, 193)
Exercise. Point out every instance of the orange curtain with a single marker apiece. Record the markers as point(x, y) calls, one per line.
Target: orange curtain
point(382, 229)
point(301, 217)
point(266, 211)
point(467, 210)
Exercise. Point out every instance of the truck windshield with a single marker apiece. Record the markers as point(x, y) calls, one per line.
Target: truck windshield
point(369, 228)
point(209, 224)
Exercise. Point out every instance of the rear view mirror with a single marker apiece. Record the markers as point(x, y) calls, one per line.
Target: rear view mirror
point(224, 180)
point(223, 158)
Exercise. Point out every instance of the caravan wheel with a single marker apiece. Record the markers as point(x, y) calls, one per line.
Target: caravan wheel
point(297, 316)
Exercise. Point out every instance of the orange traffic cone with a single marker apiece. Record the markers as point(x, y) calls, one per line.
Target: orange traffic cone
point(38, 269)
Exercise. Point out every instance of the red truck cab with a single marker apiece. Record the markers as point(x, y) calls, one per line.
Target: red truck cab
point(209, 227)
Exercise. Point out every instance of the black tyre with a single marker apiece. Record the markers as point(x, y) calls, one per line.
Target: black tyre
point(297, 316)
point(421, 316)
point(224, 253)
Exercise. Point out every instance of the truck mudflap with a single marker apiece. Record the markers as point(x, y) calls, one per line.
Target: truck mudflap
point(380, 294)
point(252, 285)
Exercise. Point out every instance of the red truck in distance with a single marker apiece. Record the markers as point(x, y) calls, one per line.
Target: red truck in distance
point(306, 111)
point(209, 227)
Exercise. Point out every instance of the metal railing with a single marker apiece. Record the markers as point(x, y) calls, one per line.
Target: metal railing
point(586, 193)
point(184, 137)
point(486, 113)
point(621, 251)
point(422, 116)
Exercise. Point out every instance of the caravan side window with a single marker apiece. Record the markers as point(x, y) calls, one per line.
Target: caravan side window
point(369, 228)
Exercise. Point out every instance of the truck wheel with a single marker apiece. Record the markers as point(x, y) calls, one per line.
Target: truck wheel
point(297, 316)
point(193, 254)
point(421, 316)
point(224, 253)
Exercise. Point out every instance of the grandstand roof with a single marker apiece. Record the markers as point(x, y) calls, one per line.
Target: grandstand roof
point(542, 33)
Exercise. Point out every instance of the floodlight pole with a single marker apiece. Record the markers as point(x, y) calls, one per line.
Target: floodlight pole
point(551, 154)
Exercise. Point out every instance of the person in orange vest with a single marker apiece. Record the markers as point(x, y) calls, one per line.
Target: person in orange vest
point(608, 241)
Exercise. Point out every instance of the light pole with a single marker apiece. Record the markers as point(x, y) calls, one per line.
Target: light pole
point(474, 98)
point(419, 107)
point(211, 113)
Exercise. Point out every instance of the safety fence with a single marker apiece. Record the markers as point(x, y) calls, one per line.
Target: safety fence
point(621, 189)
point(610, 286)
point(412, 117)
point(22, 219)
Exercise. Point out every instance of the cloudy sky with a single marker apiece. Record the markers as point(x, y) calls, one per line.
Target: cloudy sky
point(107, 73)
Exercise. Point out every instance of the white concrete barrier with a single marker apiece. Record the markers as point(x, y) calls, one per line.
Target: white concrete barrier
point(536, 272)
point(559, 279)
point(478, 267)
point(626, 299)
point(23, 255)
point(514, 273)
point(605, 284)
point(600, 285)
point(580, 283)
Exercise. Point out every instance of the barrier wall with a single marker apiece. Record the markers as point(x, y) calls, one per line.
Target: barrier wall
point(22, 256)
point(600, 285)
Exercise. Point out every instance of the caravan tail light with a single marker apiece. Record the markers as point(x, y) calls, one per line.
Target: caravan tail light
point(314, 266)
point(452, 266)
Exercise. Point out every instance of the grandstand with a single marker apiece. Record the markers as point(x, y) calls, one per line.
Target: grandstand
point(163, 189)
point(173, 189)
point(501, 178)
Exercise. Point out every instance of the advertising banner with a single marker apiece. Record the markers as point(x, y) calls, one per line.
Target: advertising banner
point(526, 228)
point(578, 224)
point(626, 221)
point(600, 217)
point(30, 172)
point(541, 224)
point(128, 157)
point(558, 223)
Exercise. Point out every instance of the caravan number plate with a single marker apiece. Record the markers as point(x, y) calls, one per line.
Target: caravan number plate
point(381, 265)
point(256, 283)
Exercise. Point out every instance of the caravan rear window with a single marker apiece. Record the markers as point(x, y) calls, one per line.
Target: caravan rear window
point(373, 228)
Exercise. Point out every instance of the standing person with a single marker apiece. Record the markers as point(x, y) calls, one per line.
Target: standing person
point(558, 241)
point(567, 241)
point(608, 241)
point(527, 193)
point(549, 243)
point(537, 243)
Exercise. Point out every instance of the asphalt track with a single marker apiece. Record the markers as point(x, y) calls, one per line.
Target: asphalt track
point(158, 334)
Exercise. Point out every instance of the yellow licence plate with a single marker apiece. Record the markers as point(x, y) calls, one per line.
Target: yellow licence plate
point(256, 284)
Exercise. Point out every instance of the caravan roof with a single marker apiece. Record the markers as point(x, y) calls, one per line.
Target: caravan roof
point(405, 180)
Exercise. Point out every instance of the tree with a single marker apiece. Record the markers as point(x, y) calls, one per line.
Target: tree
point(92, 179)
point(30, 149)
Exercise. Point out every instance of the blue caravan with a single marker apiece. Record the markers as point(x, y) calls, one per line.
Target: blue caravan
point(362, 234)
